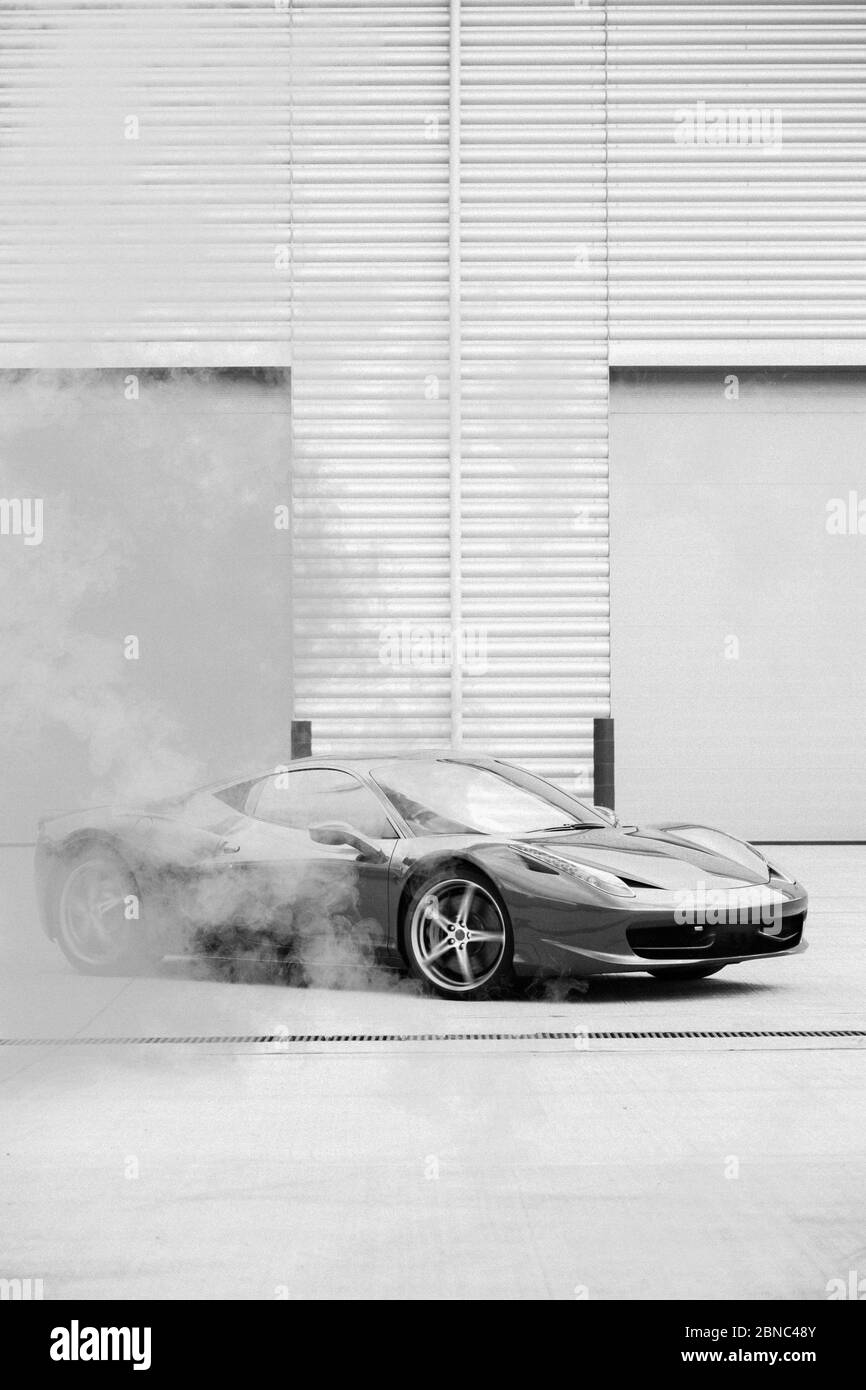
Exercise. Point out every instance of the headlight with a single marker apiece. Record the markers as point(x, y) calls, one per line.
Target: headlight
point(599, 879)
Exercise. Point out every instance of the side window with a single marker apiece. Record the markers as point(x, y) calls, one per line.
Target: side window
point(313, 795)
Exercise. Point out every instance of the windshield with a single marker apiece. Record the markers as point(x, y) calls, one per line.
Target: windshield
point(441, 797)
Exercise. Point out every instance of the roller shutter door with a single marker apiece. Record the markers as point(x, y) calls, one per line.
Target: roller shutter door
point(737, 195)
point(143, 162)
point(370, 348)
point(450, 452)
point(534, 381)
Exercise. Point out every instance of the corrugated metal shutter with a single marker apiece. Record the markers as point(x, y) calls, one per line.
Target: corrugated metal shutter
point(737, 190)
point(143, 163)
point(370, 346)
point(497, 550)
point(534, 381)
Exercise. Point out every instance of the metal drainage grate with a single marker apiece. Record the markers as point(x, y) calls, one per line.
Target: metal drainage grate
point(610, 1035)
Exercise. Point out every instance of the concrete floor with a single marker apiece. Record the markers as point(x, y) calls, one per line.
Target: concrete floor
point(451, 1169)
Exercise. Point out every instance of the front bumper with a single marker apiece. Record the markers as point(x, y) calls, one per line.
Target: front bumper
point(653, 933)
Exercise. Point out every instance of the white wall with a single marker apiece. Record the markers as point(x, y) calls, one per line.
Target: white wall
point(738, 619)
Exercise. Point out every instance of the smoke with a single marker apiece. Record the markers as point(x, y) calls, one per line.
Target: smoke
point(563, 989)
point(288, 923)
point(153, 611)
point(145, 646)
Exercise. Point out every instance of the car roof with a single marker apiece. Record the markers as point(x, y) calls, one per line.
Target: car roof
point(356, 764)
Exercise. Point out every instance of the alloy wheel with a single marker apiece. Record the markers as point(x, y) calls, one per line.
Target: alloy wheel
point(458, 935)
point(92, 918)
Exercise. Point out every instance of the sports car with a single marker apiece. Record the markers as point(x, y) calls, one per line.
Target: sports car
point(466, 871)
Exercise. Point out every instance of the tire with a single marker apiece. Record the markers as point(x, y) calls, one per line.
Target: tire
point(92, 929)
point(686, 972)
point(457, 936)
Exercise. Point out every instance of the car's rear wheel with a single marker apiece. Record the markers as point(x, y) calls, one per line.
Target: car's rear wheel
point(686, 972)
point(99, 926)
point(458, 937)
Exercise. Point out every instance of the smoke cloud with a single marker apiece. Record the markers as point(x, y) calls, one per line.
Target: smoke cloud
point(290, 923)
point(145, 645)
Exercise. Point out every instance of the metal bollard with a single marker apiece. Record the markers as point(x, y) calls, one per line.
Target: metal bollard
point(302, 738)
point(602, 762)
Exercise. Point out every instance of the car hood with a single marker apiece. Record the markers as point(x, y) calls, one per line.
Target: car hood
point(655, 856)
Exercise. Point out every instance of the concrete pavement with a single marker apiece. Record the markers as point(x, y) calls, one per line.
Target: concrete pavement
point(454, 1169)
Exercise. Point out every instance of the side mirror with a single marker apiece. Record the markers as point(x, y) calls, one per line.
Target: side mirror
point(339, 832)
point(607, 814)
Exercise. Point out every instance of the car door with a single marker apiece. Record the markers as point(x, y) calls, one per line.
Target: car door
point(298, 880)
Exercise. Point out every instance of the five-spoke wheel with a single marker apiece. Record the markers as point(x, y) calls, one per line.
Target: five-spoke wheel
point(458, 939)
point(98, 919)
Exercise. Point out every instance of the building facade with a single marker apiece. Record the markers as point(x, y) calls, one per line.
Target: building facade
point(541, 332)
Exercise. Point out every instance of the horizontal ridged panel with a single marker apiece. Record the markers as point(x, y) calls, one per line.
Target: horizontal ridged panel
point(189, 217)
point(534, 382)
point(370, 378)
point(737, 192)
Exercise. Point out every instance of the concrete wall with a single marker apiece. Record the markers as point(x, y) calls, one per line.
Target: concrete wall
point(158, 498)
point(739, 599)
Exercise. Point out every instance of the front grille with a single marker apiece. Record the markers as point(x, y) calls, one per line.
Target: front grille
point(677, 941)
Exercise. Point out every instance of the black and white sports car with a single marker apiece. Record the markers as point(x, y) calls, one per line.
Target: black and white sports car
point(467, 871)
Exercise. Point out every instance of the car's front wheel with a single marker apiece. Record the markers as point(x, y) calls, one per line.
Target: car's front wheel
point(99, 927)
point(686, 972)
point(458, 938)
